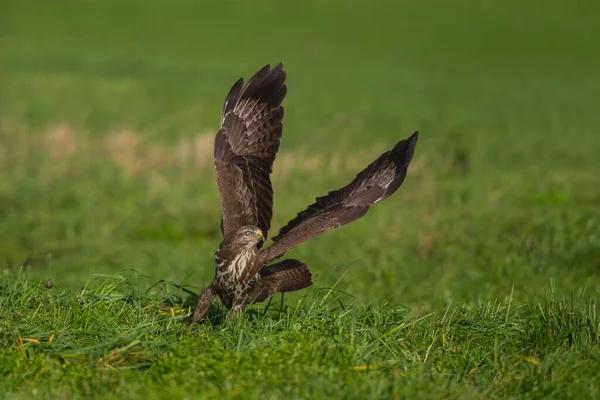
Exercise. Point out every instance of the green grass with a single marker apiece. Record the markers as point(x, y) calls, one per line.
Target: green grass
point(111, 339)
point(479, 278)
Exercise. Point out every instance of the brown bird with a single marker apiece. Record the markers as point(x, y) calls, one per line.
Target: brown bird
point(245, 149)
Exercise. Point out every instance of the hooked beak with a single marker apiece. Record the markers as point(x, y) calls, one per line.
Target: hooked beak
point(259, 237)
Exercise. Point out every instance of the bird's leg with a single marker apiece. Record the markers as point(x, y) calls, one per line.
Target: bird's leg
point(204, 301)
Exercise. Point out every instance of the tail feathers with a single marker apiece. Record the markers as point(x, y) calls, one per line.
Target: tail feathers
point(285, 276)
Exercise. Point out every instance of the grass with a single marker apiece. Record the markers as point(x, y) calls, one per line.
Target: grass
point(112, 338)
point(479, 278)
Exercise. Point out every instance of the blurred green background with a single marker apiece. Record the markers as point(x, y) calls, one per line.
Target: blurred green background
point(108, 110)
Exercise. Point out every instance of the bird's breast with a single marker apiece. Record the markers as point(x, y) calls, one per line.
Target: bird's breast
point(236, 267)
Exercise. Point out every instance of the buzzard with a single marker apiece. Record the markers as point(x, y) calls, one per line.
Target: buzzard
point(245, 149)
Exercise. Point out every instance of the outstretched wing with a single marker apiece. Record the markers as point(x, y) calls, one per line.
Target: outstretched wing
point(245, 148)
point(339, 207)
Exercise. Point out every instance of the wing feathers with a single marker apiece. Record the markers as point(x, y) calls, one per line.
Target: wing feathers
point(204, 301)
point(339, 207)
point(231, 99)
point(285, 276)
point(246, 146)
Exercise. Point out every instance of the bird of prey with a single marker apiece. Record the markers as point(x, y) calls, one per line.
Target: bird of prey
point(244, 152)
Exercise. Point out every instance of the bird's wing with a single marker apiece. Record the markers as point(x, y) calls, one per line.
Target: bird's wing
point(285, 276)
point(339, 207)
point(245, 148)
point(204, 302)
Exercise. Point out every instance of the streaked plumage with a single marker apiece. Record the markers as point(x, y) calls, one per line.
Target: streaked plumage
point(245, 150)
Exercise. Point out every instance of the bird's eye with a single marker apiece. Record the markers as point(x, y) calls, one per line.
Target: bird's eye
point(248, 233)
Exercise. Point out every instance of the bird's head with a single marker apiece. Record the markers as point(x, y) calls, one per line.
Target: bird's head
point(249, 236)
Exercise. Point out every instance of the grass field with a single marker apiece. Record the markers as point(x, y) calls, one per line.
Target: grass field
point(479, 278)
